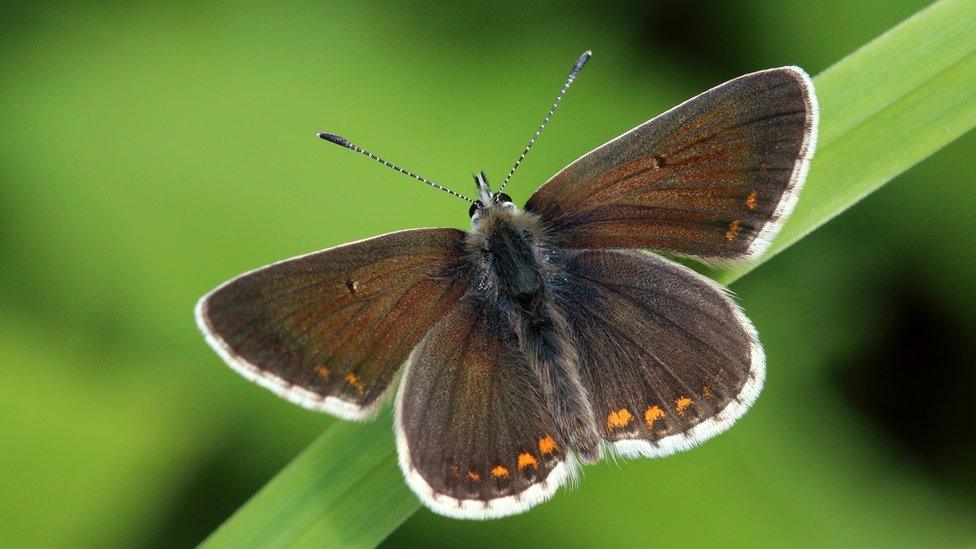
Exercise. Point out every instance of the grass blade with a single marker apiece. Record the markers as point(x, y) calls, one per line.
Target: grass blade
point(884, 108)
point(345, 490)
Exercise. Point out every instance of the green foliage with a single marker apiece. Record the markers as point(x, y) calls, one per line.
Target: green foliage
point(345, 488)
point(884, 108)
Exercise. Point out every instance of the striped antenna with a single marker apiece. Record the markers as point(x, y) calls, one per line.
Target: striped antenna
point(552, 110)
point(343, 142)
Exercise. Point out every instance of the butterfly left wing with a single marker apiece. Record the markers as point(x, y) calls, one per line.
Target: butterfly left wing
point(667, 358)
point(329, 330)
point(713, 178)
point(474, 436)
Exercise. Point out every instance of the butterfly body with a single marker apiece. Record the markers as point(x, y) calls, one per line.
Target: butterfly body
point(544, 336)
point(518, 268)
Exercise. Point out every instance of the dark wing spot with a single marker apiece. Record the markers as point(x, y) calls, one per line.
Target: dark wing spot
point(659, 161)
point(352, 286)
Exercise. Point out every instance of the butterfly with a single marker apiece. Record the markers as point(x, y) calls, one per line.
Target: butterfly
point(545, 337)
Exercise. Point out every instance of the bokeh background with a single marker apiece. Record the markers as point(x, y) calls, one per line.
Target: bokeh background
point(149, 152)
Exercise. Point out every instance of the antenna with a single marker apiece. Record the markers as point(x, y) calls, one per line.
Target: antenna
point(343, 142)
point(569, 81)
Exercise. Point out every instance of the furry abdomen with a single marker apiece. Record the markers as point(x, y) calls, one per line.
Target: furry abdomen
point(518, 273)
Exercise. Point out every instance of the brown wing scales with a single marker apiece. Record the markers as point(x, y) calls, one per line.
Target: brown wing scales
point(329, 330)
point(712, 178)
point(667, 358)
point(474, 436)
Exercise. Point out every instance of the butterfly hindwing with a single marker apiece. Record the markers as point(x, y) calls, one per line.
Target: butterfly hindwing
point(667, 358)
point(712, 178)
point(474, 437)
point(329, 330)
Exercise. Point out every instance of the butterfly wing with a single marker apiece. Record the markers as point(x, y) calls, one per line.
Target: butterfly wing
point(712, 178)
point(329, 330)
point(667, 358)
point(474, 437)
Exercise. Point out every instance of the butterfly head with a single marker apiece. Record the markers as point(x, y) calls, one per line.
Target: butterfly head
point(488, 202)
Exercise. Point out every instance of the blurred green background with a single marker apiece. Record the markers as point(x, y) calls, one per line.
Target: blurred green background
point(150, 152)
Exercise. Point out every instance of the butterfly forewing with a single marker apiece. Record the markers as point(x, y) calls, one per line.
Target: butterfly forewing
point(666, 356)
point(329, 330)
point(474, 436)
point(712, 178)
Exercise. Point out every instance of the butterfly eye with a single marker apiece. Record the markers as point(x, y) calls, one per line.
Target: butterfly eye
point(472, 209)
point(502, 197)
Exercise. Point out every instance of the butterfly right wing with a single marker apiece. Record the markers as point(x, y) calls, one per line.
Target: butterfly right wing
point(713, 178)
point(667, 358)
point(474, 437)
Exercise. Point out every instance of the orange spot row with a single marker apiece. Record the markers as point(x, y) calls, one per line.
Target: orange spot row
point(622, 417)
point(619, 418)
point(525, 460)
point(353, 380)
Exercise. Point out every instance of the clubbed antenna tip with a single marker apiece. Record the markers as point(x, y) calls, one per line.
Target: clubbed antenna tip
point(333, 138)
point(580, 63)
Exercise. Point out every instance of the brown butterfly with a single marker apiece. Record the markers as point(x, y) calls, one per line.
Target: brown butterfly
point(546, 336)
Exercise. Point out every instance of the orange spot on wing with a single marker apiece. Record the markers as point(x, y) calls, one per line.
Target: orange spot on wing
point(473, 475)
point(620, 418)
point(526, 459)
point(353, 380)
point(751, 200)
point(652, 414)
point(683, 403)
point(547, 445)
point(733, 230)
point(322, 371)
point(499, 472)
